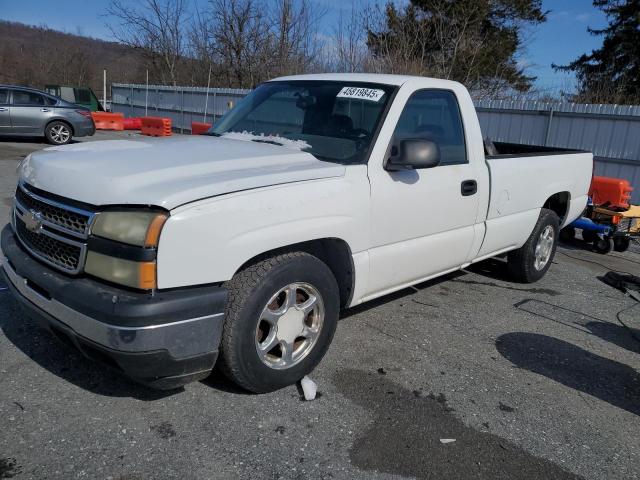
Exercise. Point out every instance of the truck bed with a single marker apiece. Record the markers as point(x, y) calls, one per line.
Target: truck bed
point(518, 190)
point(510, 150)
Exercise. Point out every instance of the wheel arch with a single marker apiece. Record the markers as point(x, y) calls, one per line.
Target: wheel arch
point(334, 252)
point(61, 120)
point(559, 203)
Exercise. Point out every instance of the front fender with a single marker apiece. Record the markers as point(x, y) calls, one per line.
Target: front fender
point(208, 241)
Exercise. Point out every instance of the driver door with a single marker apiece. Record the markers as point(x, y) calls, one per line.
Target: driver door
point(422, 221)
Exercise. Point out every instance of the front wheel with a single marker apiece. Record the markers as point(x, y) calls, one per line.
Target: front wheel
point(280, 319)
point(58, 133)
point(530, 262)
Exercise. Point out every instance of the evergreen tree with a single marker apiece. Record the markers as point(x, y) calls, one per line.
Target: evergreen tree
point(611, 74)
point(475, 42)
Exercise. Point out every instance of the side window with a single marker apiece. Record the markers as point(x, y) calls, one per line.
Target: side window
point(27, 98)
point(435, 115)
point(4, 96)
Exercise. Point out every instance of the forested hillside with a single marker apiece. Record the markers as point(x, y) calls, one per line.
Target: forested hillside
point(37, 56)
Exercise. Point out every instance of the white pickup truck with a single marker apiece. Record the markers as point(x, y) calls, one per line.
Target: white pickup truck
point(165, 257)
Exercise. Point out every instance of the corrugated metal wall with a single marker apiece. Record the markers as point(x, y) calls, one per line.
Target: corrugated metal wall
point(611, 132)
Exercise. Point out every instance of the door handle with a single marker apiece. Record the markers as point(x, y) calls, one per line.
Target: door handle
point(45, 109)
point(3, 109)
point(468, 187)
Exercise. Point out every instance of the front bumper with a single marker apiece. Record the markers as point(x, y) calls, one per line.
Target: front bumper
point(164, 339)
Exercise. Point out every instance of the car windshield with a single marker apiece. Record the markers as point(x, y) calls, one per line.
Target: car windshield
point(334, 121)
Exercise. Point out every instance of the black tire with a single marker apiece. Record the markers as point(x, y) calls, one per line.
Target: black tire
point(621, 244)
point(58, 133)
point(603, 245)
point(568, 234)
point(589, 236)
point(520, 263)
point(250, 290)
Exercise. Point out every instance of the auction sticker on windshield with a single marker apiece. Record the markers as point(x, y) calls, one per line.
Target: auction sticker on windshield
point(371, 94)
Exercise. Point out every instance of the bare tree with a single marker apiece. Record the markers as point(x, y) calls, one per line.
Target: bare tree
point(157, 28)
point(350, 39)
point(248, 41)
point(237, 38)
point(293, 36)
point(403, 52)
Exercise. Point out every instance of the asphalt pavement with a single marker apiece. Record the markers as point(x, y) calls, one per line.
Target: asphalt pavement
point(467, 376)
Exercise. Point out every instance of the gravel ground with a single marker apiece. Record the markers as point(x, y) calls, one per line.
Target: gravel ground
point(532, 381)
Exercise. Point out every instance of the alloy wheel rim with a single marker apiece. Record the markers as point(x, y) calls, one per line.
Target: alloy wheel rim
point(60, 133)
point(544, 247)
point(289, 326)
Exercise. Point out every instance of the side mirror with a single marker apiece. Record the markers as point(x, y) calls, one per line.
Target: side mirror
point(413, 153)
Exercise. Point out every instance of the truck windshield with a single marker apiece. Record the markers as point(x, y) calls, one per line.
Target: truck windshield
point(334, 121)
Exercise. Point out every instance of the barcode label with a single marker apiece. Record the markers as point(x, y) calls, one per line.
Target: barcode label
point(371, 94)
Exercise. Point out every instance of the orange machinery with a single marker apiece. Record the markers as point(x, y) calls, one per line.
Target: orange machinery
point(612, 193)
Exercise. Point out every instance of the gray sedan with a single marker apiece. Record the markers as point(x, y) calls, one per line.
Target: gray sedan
point(29, 112)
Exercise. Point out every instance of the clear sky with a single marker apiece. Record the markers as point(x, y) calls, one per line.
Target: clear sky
point(561, 39)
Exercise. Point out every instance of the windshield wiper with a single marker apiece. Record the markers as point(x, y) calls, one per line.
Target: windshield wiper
point(272, 142)
point(212, 134)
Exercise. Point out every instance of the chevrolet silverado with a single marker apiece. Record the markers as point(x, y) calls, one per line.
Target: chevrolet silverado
point(163, 258)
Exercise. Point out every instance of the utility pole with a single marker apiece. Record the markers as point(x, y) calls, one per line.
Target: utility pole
point(146, 95)
point(206, 99)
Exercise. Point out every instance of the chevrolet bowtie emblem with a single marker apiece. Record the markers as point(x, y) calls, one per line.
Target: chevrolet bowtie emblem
point(32, 220)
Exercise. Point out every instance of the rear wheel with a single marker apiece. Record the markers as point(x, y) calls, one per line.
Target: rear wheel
point(530, 262)
point(621, 244)
point(58, 133)
point(280, 319)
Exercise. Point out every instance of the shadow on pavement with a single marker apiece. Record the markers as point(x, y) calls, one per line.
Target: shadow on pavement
point(21, 139)
point(616, 334)
point(404, 437)
point(405, 292)
point(35, 139)
point(495, 268)
point(623, 337)
point(218, 381)
point(574, 367)
point(71, 366)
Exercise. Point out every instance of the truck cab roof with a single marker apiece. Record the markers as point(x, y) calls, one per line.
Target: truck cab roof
point(385, 79)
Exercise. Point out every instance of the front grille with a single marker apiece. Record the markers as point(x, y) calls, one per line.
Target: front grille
point(59, 253)
point(57, 215)
point(51, 230)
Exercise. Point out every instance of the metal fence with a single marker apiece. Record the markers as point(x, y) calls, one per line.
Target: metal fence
point(611, 132)
point(182, 105)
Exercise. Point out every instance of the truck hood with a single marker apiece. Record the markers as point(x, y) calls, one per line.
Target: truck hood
point(167, 172)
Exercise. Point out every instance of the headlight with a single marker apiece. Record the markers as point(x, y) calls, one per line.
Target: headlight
point(124, 272)
point(135, 228)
